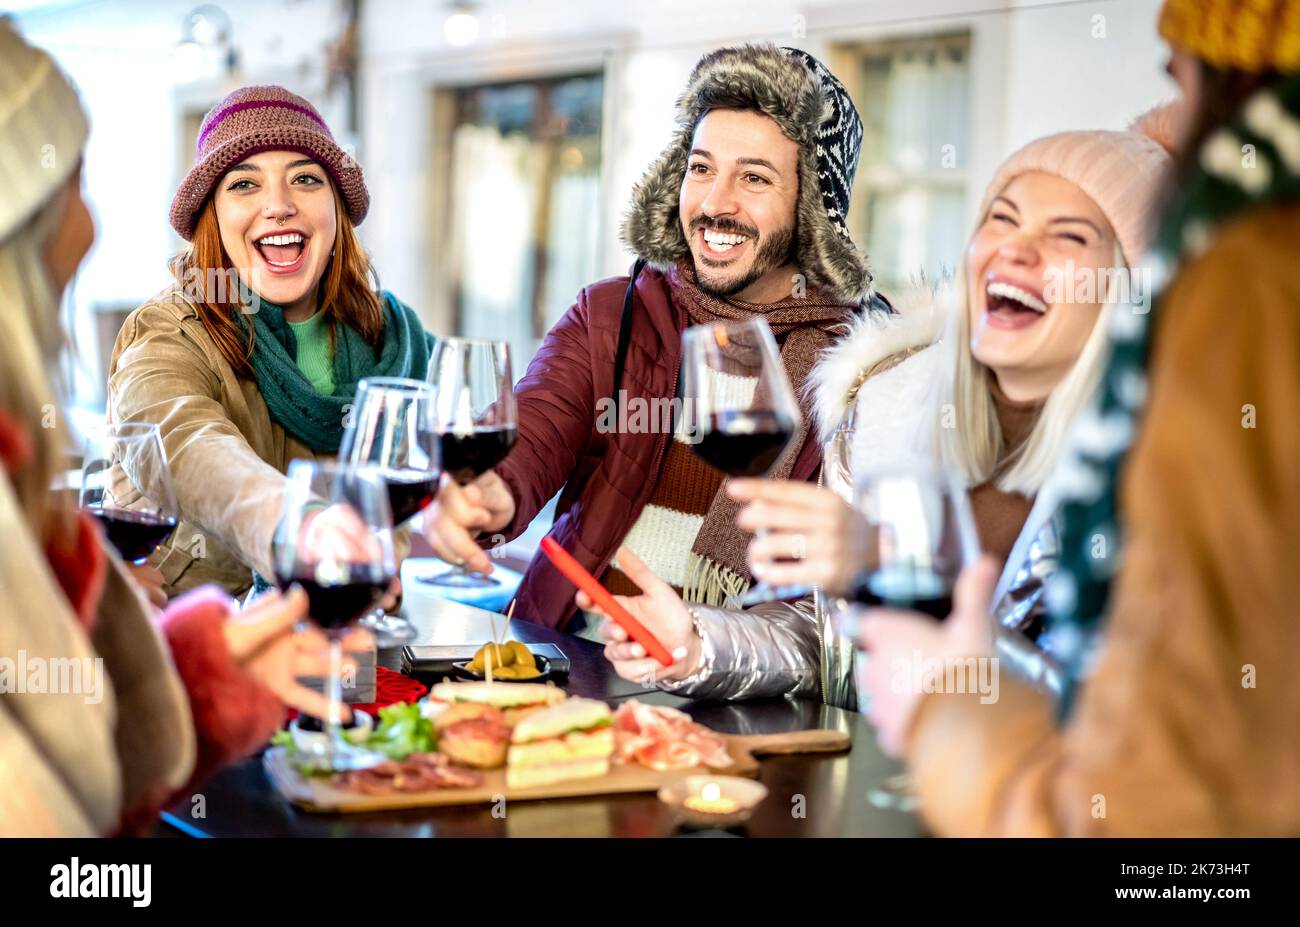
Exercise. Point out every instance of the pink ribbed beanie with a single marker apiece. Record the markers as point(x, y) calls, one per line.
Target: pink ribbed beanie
point(1122, 172)
point(256, 119)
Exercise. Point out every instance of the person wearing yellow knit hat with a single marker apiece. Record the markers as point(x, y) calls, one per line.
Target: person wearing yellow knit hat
point(1179, 720)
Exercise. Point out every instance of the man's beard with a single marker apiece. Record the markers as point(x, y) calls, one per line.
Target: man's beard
point(773, 251)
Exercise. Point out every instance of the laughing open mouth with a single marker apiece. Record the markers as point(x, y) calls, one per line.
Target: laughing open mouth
point(283, 250)
point(1010, 303)
point(722, 242)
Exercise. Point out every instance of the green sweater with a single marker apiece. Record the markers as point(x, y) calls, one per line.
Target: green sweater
point(314, 358)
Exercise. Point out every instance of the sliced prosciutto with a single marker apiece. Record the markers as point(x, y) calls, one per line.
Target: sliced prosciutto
point(665, 739)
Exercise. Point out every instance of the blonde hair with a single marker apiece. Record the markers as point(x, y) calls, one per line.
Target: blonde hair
point(31, 336)
point(974, 446)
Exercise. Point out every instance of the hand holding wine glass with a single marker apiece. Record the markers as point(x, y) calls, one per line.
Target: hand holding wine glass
point(892, 635)
point(922, 536)
point(460, 513)
point(805, 535)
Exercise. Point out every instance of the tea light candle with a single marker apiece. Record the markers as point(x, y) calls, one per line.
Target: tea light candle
point(711, 801)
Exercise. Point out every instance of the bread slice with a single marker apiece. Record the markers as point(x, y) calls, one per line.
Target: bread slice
point(575, 714)
point(578, 745)
point(572, 740)
point(502, 695)
point(529, 777)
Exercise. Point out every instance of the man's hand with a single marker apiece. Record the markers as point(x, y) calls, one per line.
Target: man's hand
point(664, 615)
point(460, 513)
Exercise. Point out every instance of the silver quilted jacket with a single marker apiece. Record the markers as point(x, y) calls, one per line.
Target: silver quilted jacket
point(794, 648)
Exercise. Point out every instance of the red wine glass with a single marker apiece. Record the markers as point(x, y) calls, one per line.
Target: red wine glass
point(739, 405)
point(477, 421)
point(392, 427)
point(921, 534)
point(335, 541)
point(126, 485)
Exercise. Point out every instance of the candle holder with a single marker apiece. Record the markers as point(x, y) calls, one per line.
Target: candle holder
point(712, 801)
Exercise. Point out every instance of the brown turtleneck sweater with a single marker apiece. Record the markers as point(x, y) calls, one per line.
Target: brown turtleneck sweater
point(1000, 516)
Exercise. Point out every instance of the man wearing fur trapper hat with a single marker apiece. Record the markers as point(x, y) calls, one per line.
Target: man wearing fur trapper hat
point(743, 215)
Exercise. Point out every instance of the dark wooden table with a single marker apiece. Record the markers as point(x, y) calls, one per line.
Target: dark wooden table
point(809, 796)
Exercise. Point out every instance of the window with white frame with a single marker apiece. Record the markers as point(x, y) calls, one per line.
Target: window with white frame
point(909, 195)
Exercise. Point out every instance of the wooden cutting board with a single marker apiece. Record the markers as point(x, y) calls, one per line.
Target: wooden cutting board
point(318, 795)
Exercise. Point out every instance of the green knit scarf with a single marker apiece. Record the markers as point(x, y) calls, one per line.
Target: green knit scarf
point(314, 419)
point(1230, 180)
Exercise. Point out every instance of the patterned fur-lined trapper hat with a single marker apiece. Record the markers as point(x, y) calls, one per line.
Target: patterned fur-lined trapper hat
point(812, 108)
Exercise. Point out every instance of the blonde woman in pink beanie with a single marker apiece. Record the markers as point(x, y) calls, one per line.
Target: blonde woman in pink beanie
point(993, 400)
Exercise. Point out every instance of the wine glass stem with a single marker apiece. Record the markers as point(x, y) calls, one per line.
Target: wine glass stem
point(335, 710)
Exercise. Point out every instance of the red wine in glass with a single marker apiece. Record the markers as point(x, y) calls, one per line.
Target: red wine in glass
point(393, 427)
point(468, 456)
point(335, 541)
point(736, 389)
point(744, 443)
point(135, 535)
point(409, 491)
point(126, 486)
point(916, 590)
point(334, 606)
point(477, 421)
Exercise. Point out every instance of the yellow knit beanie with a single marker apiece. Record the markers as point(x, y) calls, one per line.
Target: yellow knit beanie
point(1243, 35)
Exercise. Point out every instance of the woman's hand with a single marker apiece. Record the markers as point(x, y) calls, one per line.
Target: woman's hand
point(664, 615)
point(263, 643)
point(813, 537)
point(149, 580)
point(337, 533)
point(895, 640)
point(461, 513)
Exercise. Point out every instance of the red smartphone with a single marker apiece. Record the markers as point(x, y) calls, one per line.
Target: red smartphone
point(577, 574)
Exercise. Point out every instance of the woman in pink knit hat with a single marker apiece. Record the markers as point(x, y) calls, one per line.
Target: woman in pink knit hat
point(251, 359)
point(1061, 224)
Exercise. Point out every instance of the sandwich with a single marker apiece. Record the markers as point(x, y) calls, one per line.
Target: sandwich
point(515, 700)
point(572, 740)
point(473, 734)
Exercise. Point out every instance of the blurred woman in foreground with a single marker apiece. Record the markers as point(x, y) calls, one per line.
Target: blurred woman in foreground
point(1186, 725)
point(99, 724)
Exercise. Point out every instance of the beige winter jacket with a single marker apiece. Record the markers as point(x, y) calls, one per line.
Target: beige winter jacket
point(227, 456)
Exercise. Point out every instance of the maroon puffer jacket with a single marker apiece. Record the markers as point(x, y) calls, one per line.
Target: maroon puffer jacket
point(607, 478)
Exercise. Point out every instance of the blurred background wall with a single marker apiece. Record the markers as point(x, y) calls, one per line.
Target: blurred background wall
point(501, 138)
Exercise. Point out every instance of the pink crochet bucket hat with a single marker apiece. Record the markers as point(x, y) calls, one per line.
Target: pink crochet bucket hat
point(263, 118)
